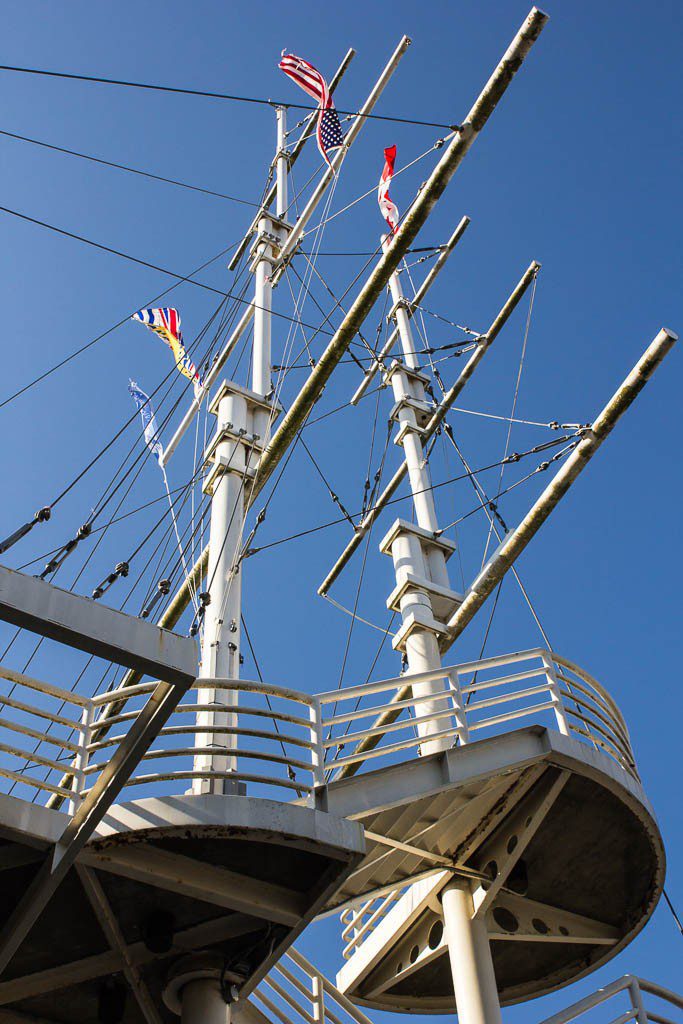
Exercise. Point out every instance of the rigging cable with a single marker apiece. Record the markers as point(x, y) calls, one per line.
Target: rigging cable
point(262, 101)
point(125, 167)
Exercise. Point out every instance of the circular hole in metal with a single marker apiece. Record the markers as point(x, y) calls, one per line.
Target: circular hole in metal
point(563, 930)
point(505, 919)
point(435, 934)
point(512, 843)
point(540, 926)
point(399, 968)
point(414, 954)
point(491, 870)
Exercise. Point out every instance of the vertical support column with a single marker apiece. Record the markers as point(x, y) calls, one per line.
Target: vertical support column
point(82, 757)
point(202, 1003)
point(474, 981)
point(637, 1000)
point(555, 695)
point(222, 619)
point(318, 999)
point(459, 706)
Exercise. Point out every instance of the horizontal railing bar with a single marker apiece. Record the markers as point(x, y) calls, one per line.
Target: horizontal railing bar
point(502, 698)
point(662, 993)
point(267, 1002)
point(382, 685)
point(618, 735)
point(510, 715)
point(242, 709)
point(253, 686)
point(293, 980)
point(288, 998)
point(409, 702)
point(593, 725)
point(516, 677)
point(219, 751)
point(339, 762)
point(182, 730)
point(595, 698)
point(588, 679)
point(144, 780)
point(36, 783)
point(68, 696)
point(33, 757)
point(32, 709)
point(44, 737)
point(405, 723)
point(113, 696)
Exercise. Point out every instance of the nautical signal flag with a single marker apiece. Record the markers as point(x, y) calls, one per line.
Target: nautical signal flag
point(149, 423)
point(388, 208)
point(328, 133)
point(166, 323)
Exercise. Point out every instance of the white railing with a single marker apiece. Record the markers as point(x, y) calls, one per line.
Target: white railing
point(289, 743)
point(47, 733)
point(359, 922)
point(629, 993)
point(383, 720)
point(295, 992)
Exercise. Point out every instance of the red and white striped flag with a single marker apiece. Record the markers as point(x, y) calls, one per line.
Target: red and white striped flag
point(388, 208)
point(329, 133)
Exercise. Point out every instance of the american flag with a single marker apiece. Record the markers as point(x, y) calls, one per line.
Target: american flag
point(387, 206)
point(329, 133)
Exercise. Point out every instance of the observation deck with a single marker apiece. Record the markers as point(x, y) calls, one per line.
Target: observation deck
point(331, 807)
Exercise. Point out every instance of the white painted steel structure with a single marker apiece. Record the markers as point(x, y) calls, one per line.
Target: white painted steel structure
point(290, 741)
point(634, 989)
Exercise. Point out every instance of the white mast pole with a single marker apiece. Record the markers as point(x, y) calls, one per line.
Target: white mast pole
point(244, 421)
point(416, 554)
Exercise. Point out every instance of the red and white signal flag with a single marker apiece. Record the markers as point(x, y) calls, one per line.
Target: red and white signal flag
point(388, 208)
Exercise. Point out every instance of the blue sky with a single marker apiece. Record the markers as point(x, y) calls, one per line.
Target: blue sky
point(578, 168)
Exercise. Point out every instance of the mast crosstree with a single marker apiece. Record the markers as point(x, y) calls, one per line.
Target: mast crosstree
point(440, 812)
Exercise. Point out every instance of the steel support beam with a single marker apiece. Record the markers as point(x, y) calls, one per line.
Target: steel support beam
point(92, 627)
point(187, 877)
point(516, 541)
point(114, 936)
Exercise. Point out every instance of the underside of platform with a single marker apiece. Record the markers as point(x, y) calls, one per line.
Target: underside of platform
point(234, 877)
point(586, 883)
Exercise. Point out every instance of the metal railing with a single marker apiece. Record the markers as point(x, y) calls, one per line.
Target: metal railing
point(359, 922)
point(471, 700)
point(287, 742)
point(634, 989)
point(295, 992)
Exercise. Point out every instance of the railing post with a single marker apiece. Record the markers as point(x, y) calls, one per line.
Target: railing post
point(459, 709)
point(317, 748)
point(82, 757)
point(318, 999)
point(555, 695)
point(637, 1001)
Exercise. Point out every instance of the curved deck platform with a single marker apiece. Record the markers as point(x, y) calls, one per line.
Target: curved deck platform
point(588, 879)
point(234, 877)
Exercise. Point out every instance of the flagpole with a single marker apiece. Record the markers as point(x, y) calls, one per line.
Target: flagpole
point(294, 236)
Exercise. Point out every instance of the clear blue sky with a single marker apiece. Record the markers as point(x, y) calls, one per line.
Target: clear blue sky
point(579, 168)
